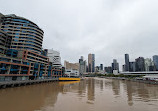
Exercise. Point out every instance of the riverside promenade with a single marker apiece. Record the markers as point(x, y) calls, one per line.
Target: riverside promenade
point(7, 84)
point(135, 80)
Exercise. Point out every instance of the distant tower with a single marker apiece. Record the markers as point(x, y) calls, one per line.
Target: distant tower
point(101, 66)
point(115, 65)
point(82, 68)
point(126, 62)
point(140, 64)
point(91, 63)
point(155, 60)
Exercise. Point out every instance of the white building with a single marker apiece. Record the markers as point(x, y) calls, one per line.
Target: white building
point(71, 69)
point(54, 57)
point(72, 72)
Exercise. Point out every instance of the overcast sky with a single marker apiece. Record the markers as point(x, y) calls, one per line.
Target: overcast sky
point(107, 28)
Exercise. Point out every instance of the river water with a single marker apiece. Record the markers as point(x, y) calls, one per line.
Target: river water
point(91, 94)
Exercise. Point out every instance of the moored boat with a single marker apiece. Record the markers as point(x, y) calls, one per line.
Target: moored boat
point(68, 79)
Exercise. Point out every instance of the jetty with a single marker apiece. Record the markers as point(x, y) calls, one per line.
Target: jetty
point(25, 82)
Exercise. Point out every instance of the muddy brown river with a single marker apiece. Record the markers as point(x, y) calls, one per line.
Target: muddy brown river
point(91, 94)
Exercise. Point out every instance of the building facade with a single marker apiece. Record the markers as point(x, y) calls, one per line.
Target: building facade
point(155, 60)
point(91, 63)
point(140, 64)
point(101, 67)
point(71, 69)
point(126, 62)
point(5, 42)
point(21, 53)
point(132, 67)
point(108, 69)
point(54, 57)
point(82, 67)
point(25, 34)
point(115, 65)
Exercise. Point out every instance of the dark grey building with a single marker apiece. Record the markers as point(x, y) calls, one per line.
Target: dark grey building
point(155, 60)
point(132, 66)
point(115, 65)
point(108, 69)
point(82, 68)
point(126, 62)
point(140, 64)
point(101, 66)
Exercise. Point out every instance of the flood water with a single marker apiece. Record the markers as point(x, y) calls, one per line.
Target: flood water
point(91, 94)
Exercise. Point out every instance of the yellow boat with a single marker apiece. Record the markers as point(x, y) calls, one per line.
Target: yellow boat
point(68, 79)
point(67, 82)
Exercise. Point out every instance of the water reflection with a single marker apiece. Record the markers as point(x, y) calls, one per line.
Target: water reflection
point(89, 94)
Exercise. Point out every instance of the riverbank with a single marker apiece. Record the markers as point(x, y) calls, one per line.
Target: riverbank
point(134, 80)
point(25, 82)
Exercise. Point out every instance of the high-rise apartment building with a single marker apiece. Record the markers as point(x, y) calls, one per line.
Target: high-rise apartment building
point(21, 53)
point(91, 63)
point(24, 33)
point(126, 62)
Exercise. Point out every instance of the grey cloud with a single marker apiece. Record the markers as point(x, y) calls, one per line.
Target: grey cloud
point(107, 28)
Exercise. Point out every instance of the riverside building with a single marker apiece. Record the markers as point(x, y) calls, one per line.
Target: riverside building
point(71, 69)
point(54, 57)
point(25, 34)
point(21, 53)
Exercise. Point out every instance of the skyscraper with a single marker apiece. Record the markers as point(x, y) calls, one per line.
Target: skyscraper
point(155, 60)
point(115, 65)
point(101, 66)
point(140, 64)
point(132, 67)
point(126, 62)
point(91, 63)
point(82, 64)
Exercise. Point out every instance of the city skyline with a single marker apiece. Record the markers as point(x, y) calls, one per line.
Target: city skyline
point(91, 30)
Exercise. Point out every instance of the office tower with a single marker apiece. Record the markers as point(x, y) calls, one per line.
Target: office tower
point(54, 57)
point(115, 65)
point(25, 34)
point(126, 62)
point(91, 63)
point(132, 66)
point(155, 60)
point(140, 66)
point(101, 66)
point(82, 68)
